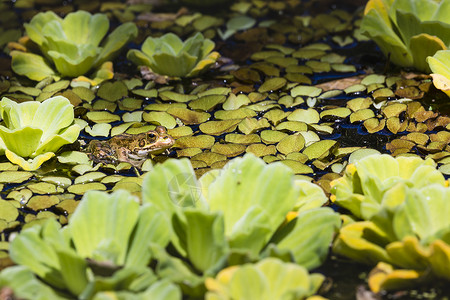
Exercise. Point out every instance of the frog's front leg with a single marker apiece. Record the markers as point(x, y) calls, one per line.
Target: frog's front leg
point(123, 154)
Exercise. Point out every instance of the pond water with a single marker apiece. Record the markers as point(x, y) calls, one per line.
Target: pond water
point(303, 70)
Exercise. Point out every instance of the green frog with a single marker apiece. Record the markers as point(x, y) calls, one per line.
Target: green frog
point(130, 148)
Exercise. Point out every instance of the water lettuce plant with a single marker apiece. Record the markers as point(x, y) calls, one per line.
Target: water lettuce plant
point(186, 231)
point(408, 31)
point(440, 67)
point(364, 184)
point(103, 251)
point(169, 55)
point(244, 212)
point(268, 279)
point(399, 217)
point(70, 47)
point(31, 132)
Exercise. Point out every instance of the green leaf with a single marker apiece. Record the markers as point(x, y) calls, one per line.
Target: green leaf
point(73, 61)
point(116, 41)
point(364, 184)
point(178, 271)
point(240, 22)
point(104, 236)
point(440, 63)
point(30, 164)
point(131, 279)
point(22, 142)
point(35, 28)
point(59, 115)
point(33, 251)
point(163, 290)
point(81, 27)
point(32, 66)
point(206, 245)
point(55, 142)
point(153, 228)
point(440, 66)
point(248, 182)
point(383, 34)
point(72, 44)
point(139, 58)
point(252, 237)
point(362, 242)
point(411, 26)
point(423, 45)
point(249, 277)
point(73, 270)
point(26, 286)
point(424, 213)
point(408, 31)
point(16, 115)
point(422, 9)
point(310, 237)
point(408, 228)
point(441, 12)
point(408, 254)
point(175, 66)
point(311, 196)
point(172, 185)
point(168, 55)
point(28, 134)
point(270, 278)
point(382, 216)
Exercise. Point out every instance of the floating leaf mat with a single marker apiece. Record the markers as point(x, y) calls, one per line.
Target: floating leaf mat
point(292, 85)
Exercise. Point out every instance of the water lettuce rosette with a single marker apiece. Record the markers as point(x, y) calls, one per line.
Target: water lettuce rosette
point(408, 31)
point(103, 253)
point(31, 132)
point(169, 55)
point(72, 46)
point(185, 233)
point(269, 279)
point(399, 220)
point(242, 213)
point(440, 66)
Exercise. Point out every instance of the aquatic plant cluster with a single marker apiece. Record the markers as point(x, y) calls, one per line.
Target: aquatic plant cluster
point(227, 235)
point(220, 222)
point(71, 47)
point(411, 32)
point(245, 228)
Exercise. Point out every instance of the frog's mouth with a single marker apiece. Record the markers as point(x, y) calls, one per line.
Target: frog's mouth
point(143, 153)
point(140, 154)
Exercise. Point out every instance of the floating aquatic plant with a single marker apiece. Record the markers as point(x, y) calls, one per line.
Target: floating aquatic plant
point(440, 66)
point(247, 212)
point(407, 31)
point(72, 46)
point(403, 204)
point(169, 55)
point(104, 250)
point(238, 214)
point(269, 279)
point(362, 188)
point(235, 24)
point(31, 132)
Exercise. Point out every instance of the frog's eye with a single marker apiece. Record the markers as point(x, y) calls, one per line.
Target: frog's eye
point(151, 136)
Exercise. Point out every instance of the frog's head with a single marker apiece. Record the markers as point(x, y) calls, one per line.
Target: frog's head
point(152, 142)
